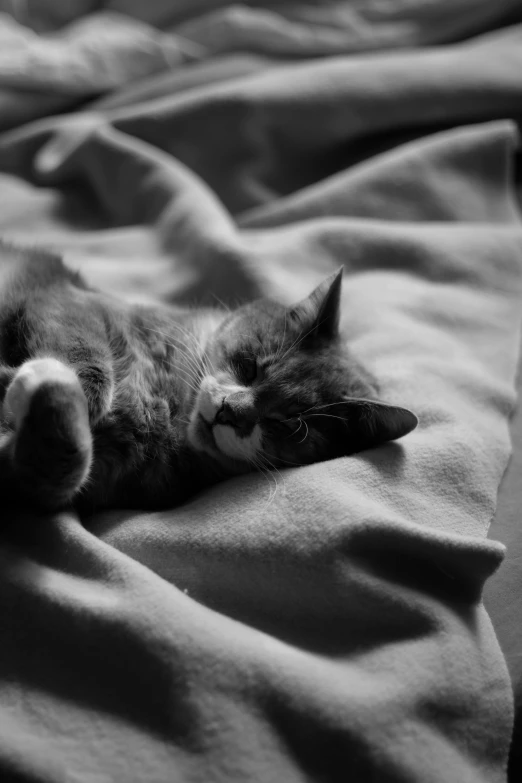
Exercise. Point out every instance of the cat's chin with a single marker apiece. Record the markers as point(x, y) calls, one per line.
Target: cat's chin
point(223, 444)
point(237, 447)
point(200, 437)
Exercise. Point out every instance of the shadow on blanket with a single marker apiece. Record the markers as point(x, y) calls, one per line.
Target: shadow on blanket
point(334, 622)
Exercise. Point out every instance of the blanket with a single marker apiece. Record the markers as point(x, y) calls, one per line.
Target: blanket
point(326, 623)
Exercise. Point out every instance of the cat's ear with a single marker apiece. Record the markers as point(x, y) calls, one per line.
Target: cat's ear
point(371, 423)
point(319, 314)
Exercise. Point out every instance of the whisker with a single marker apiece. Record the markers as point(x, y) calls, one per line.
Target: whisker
point(281, 344)
point(272, 466)
point(297, 342)
point(195, 373)
point(189, 353)
point(185, 332)
point(196, 351)
point(273, 494)
point(196, 360)
point(306, 434)
point(295, 432)
point(186, 382)
point(321, 407)
point(221, 302)
point(256, 462)
point(288, 462)
point(326, 415)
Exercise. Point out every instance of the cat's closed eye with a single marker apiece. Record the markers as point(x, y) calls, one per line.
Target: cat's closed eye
point(247, 369)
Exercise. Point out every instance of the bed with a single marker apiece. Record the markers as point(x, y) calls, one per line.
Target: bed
point(356, 619)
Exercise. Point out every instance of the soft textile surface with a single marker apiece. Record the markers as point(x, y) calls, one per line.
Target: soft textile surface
point(503, 593)
point(324, 624)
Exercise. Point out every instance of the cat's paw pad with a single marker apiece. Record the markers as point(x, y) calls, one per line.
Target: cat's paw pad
point(30, 377)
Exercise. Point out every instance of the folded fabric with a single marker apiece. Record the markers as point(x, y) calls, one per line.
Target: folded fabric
point(97, 53)
point(268, 134)
point(329, 620)
point(322, 623)
point(316, 27)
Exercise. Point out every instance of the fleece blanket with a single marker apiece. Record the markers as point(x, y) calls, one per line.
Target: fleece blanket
point(327, 624)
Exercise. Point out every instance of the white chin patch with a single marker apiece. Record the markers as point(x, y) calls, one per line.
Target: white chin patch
point(234, 446)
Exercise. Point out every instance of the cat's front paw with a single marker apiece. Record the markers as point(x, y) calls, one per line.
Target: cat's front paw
point(32, 375)
point(52, 443)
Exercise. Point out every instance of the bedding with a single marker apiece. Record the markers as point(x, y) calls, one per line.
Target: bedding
point(503, 593)
point(326, 624)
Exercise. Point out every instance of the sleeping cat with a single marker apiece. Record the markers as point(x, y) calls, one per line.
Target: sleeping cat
point(107, 404)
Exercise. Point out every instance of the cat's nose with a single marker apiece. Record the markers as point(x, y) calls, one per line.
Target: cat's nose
point(237, 413)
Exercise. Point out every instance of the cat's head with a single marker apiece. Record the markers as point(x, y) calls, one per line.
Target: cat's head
point(284, 390)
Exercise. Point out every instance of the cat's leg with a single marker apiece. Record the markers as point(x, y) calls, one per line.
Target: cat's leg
point(49, 446)
point(97, 379)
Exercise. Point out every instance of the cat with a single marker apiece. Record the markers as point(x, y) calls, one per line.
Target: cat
point(107, 404)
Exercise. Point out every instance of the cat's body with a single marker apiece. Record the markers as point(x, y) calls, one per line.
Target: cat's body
point(107, 404)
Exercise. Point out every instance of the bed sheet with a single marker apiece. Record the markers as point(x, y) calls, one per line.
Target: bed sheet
point(329, 624)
